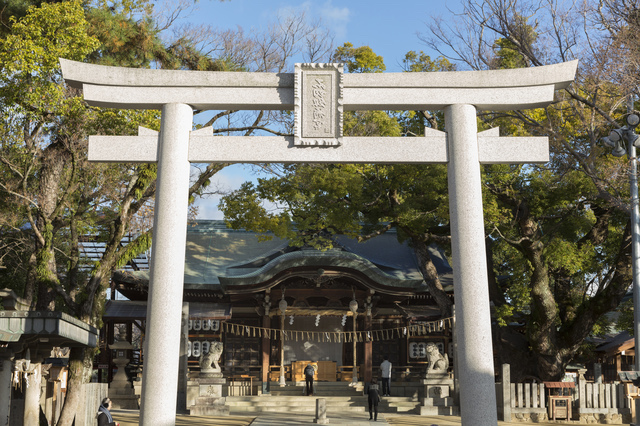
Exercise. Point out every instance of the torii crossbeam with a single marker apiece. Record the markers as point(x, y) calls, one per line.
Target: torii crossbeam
point(319, 93)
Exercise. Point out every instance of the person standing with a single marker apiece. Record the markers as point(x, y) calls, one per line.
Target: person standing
point(374, 399)
point(104, 416)
point(309, 372)
point(385, 368)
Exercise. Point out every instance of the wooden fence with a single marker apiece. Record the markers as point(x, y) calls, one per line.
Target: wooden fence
point(93, 394)
point(608, 403)
point(90, 398)
point(527, 401)
point(603, 402)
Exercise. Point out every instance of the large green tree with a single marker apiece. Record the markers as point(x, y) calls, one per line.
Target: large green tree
point(566, 247)
point(51, 197)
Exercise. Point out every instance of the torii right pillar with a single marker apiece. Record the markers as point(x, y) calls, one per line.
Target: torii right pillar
point(473, 322)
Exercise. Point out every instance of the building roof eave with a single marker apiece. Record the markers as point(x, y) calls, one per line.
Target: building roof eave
point(293, 263)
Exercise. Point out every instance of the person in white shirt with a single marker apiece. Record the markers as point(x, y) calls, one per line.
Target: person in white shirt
point(385, 368)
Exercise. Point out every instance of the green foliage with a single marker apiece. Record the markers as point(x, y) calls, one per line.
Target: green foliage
point(515, 50)
point(55, 30)
point(30, 73)
point(322, 200)
point(359, 59)
point(626, 320)
point(414, 122)
point(46, 181)
point(12, 10)
point(312, 196)
point(370, 123)
point(421, 62)
point(507, 56)
point(124, 40)
point(130, 37)
point(133, 249)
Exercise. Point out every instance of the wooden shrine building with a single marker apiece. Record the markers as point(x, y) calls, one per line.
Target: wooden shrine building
point(235, 283)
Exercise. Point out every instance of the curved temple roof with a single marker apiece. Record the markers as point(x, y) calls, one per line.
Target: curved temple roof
point(231, 261)
point(349, 264)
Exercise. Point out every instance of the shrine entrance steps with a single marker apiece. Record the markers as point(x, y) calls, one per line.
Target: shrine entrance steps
point(339, 396)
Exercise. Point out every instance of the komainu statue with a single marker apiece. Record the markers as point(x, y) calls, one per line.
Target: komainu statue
point(212, 357)
point(437, 362)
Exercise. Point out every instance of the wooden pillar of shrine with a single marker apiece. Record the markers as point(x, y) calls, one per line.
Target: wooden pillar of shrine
point(266, 348)
point(110, 340)
point(368, 349)
point(404, 344)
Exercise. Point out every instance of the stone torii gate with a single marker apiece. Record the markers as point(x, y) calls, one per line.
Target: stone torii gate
point(319, 93)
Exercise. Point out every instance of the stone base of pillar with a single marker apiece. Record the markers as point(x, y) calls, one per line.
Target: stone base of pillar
point(123, 395)
point(204, 396)
point(438, 400)
point(612, 417)
point(210, 375)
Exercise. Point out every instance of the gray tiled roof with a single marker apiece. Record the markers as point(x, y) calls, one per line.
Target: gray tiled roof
point(216, 254)
point(58, 328)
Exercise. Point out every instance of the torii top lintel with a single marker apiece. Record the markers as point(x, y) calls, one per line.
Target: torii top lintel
point(495, 90)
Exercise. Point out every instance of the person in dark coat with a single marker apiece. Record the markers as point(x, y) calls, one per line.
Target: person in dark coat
point(104, 416)
point(374, 399)
point(309, 372)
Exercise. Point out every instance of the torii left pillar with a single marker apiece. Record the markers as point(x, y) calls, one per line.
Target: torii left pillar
point(167, 269)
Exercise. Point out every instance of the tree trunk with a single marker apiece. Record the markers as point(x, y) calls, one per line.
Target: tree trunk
point(430, 275)
point(79, 359)
point(46, 273)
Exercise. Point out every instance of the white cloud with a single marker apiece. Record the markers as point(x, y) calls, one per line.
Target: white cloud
point(333, 17)
point(336, 18)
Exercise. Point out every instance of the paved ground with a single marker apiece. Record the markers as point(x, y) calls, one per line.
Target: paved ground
point(130, 418)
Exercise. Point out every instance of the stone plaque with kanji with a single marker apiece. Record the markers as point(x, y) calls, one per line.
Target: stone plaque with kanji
point(318, 105)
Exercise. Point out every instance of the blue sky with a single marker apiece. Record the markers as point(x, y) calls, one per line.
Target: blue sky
point(389, 28)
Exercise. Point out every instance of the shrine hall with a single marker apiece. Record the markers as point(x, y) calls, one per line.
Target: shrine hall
point(277, 307)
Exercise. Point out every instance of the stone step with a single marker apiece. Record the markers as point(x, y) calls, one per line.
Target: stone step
point(408, 408)
point(216, 410)
point(328, 389)
point(335, 385)
point(292, 403)
point(439, 411)
point(387, 401)
point(299, 389)
point(407, 401)
point(208, 400)
point(402, 407)
point(306, 404)
point(283, 399)
point(447, 401)
point(320, 395)
point(267, 402)
point(293, 409)
point(400, 404)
